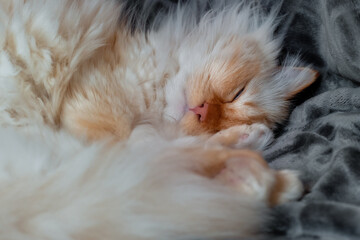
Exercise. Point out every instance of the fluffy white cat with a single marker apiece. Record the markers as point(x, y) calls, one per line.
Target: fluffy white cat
point(108, 134)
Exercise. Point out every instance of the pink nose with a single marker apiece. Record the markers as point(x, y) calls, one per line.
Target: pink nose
point(202, 111)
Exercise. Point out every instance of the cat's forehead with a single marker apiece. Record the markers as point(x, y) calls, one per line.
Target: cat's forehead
point(230, 56)
point(238, 59)
point(230, 66)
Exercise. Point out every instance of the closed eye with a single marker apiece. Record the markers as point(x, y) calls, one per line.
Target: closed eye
point(238, 94)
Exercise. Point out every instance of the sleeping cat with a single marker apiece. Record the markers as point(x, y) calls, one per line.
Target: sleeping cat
point(175, 103)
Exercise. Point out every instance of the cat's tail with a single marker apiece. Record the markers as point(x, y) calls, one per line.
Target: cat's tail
point(53, 187)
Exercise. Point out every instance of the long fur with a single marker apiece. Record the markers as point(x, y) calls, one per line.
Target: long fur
point(67, 62)
point(70, 68)
point(139, 190)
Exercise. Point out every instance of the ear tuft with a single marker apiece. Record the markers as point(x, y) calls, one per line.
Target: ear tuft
point(296, 79)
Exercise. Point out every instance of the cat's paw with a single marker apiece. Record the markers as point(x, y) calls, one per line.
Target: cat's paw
point(256, 136)
point(248, 174)
point(287, 187)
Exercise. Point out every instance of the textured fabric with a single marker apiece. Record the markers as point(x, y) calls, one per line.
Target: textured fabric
point(321, 139)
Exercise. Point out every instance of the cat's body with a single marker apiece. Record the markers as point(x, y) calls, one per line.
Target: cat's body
point(72, 66)
point(84, 72)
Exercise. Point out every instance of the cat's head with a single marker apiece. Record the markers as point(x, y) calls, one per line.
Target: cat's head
point(228, 70)
point(241, 85)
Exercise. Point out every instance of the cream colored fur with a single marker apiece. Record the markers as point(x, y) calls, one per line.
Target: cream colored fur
point(140, 190)
point(69, 71)
point(69, 64)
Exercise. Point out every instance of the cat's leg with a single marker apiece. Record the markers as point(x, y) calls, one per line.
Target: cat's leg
point(247, 172)
point(256, 136)
point(95, 120)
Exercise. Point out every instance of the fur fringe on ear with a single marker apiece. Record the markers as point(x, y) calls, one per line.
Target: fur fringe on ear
point(284, 83)
point(294, 78)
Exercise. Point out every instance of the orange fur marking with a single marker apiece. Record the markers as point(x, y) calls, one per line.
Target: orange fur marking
point(315, 76)
point(215, 162)
point(217, 84)
point(278, 188)
point(103, 126)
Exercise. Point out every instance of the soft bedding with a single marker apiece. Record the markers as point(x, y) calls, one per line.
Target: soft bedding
point(321, 138)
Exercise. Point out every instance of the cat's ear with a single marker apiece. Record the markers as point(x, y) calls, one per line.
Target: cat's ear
point(296, 79)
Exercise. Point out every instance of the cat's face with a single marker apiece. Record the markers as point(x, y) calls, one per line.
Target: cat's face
point(240, 85)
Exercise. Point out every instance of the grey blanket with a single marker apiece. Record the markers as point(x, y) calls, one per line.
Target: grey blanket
point(322, 136)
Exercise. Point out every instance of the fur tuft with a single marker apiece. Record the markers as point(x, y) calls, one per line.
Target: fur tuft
point(141, 190)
